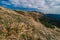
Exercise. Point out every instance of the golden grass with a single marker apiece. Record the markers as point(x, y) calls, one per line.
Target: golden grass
point(15, 26)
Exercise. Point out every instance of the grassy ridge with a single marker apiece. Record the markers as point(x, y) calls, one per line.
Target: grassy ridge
point(25, 26)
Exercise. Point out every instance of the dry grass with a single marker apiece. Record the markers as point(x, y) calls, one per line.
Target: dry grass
point(15, 26)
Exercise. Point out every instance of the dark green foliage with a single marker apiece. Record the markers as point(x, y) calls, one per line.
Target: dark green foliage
point(46, 23)
point(0, 8)
point(24, 36)
point(21, 12)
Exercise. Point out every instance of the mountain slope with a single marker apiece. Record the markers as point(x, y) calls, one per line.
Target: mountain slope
point(23, 25)
point(54, 19)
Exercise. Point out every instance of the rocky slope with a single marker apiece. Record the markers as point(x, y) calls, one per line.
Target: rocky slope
point(23, 25)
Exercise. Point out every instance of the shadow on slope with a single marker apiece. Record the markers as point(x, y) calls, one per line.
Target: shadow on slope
point(50, 22)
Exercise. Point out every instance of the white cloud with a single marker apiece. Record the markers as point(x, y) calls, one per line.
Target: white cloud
point(55, 10)
point(28, 3)
point(47, 6)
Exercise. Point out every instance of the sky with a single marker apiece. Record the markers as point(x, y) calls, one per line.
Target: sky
point(45, 6)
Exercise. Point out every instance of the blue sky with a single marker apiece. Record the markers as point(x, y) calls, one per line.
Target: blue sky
point(46, 6)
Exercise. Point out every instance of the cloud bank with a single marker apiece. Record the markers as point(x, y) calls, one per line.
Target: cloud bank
point(47, 6)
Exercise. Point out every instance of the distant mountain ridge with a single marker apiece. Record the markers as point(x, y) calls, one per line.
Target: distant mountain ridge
point(54, 16)
point(54, 19)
